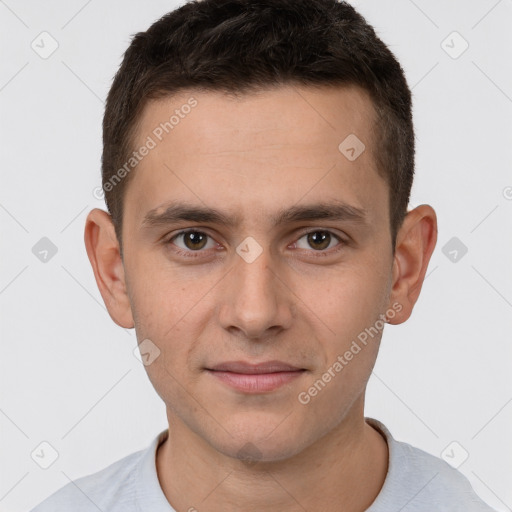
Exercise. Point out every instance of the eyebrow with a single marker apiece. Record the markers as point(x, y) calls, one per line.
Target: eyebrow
point(176, 212)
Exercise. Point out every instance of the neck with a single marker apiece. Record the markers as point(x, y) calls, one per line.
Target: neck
point(345, 467)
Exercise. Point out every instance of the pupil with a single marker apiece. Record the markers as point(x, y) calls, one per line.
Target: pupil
point(322, 240)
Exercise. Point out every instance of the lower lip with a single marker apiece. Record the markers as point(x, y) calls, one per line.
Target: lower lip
point(256, 383)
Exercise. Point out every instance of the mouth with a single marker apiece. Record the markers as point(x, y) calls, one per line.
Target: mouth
point(255, 378)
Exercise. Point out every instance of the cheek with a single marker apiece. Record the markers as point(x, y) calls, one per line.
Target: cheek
point(350, 306)
point(174, 372)
point(162, 297)
point(347, 300)
point(171, 311)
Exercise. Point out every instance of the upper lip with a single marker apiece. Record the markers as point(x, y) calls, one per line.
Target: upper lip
point(249, 368)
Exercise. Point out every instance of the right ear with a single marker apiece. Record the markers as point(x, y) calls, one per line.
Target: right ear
point(103, 251)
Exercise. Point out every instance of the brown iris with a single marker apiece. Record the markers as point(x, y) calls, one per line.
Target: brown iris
point(319, 239)
point(195, 240)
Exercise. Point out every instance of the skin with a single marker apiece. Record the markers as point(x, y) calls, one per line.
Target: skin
point(298, 302)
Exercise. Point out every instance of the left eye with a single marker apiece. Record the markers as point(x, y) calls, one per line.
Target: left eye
point(193, 240)
point(318, 240)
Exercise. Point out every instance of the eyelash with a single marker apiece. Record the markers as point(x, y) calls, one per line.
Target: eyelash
point(199, 253)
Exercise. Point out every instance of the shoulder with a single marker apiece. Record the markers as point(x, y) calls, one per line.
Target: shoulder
point(436, 483)
point(111, 489)
point(419, 482)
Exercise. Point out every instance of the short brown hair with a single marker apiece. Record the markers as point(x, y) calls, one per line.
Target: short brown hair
point(236, 46)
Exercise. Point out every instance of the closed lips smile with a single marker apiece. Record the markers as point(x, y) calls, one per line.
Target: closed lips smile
point(255, 378)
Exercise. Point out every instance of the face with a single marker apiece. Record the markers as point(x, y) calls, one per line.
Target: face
point(286, 265)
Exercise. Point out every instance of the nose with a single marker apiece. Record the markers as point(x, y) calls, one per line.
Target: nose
point(257, 303)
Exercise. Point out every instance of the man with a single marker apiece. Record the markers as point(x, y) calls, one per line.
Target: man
point(257, 166)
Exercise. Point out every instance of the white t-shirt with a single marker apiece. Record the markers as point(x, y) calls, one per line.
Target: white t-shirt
point(415, 482)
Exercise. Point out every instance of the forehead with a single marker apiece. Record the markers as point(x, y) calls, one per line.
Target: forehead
point(306, 114)
point(280, 144)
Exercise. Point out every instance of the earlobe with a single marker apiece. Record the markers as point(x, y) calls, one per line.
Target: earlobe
point(103, 251)
point(415, 244)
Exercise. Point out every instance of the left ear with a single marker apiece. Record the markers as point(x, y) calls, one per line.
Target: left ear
point(104, 254)
point(415, 243)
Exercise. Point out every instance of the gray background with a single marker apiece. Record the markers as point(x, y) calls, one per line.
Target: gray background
point(68, 373)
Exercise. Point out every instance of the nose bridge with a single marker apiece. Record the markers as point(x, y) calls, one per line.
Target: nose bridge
point(255, 277)
point(257, 301)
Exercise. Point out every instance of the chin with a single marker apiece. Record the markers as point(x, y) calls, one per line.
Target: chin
point(251, 453)
point(260, 439)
